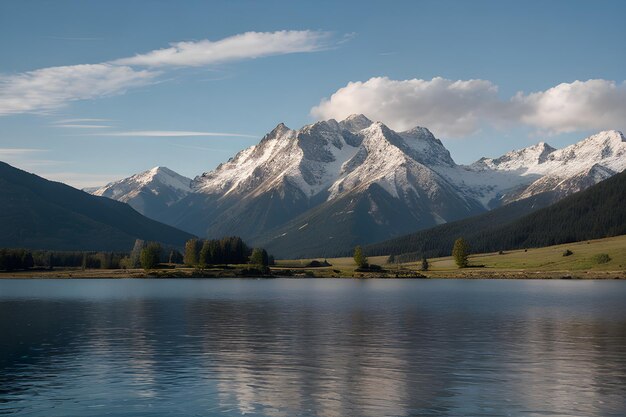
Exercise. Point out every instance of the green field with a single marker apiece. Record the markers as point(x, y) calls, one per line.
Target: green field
point(544, 262)
point(551, 258)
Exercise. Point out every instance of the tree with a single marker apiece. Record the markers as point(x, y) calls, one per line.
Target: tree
point(460, 252)
point(359, 258)
point(425, 264)
point(205, 257)
point(151, 256)
point(135, 254)
point(259, 257)
point(175, 257)
point(192, 251)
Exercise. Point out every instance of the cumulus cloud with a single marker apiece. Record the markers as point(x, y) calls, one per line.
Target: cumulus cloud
point(459, 108)
point(234, 48)
point(50, 88)
point(581, 105)
point(448, 107)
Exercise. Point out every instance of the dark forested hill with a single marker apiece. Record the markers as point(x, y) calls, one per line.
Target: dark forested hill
point(597, 212)
point(39, 214)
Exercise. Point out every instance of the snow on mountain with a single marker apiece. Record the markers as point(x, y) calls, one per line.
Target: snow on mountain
point(540, 167)
point(331, 157)
point(148, 192)
point(328, 179)
point(350, 171)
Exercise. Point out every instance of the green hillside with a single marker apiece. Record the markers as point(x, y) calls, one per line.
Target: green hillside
point(39, 214)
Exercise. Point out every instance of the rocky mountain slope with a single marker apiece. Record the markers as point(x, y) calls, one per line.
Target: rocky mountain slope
point(348, 175)
point(336, 184)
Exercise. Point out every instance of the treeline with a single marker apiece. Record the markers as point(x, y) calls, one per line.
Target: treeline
point(13, 259)
point(147, 255)
point(228, 250)
point(17, 259)
point(591, 214)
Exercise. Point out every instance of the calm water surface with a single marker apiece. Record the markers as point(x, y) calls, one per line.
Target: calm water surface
point(312, 348)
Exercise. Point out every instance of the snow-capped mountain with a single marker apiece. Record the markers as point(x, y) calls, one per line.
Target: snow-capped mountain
point(344, 173)
point(541, 168)
point(149, 192)
point(336, 184)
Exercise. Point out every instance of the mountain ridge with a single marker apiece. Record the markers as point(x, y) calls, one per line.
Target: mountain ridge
point(326, 169)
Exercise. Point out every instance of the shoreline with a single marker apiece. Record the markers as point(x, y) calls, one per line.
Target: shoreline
point(321, 273)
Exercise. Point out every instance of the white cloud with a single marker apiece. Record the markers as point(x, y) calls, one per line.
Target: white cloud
point(89, 120)
point(450, 108)
point(51, 88)
point(169, 133)
point(581, 105)
point(247, 45)
point(4, 152)
point(459, 108)
point(81, 180)
point(81, 126)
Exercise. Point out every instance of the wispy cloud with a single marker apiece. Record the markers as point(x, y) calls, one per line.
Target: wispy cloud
point(81, 126)
point(170, 133)
point(457, 108)
point(75, 38)
point(87, 120)
point(50, 88)
point(80, 179)
point(19, 151)
point(247, 45)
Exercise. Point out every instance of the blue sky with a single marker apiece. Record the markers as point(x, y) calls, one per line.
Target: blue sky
point(77, 76)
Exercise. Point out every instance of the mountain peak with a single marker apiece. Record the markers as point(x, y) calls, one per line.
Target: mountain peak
point(160, 182)
point(355, 123)
point(280, 128)
point(161, 169)
point(605, 136)
point(419, 132)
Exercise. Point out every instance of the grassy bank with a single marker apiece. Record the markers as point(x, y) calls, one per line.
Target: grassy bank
point(543, 263)
point(540, 263)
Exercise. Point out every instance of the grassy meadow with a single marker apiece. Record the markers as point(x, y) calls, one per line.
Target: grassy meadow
point(534, 262)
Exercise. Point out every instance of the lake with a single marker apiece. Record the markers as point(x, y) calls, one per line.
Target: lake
point(312, 347)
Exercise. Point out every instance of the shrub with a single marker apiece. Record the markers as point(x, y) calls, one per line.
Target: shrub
point(601, 258)
point(259, 257)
